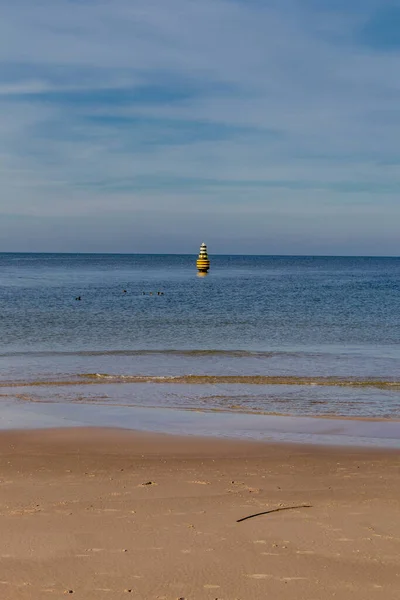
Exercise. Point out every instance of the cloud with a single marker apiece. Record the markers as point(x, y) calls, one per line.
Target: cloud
point(264, 113)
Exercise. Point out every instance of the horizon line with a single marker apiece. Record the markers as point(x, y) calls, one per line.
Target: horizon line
point(97, 253)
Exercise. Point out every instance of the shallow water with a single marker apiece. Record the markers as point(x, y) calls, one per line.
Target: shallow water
point(267, 428)
point(281, 399)
point(329, 328)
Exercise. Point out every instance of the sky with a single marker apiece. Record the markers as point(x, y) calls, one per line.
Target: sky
point(257, 126)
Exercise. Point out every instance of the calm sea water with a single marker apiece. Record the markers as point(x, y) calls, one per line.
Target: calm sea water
point(286, 335)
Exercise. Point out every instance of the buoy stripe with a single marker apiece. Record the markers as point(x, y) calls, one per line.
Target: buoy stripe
point(203, 263)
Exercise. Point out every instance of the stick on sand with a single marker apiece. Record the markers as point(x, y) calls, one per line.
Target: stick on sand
point(267, 512)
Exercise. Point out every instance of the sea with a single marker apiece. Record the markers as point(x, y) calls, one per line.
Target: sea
point(143, 341)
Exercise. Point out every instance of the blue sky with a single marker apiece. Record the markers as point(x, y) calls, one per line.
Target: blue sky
point(149, 125)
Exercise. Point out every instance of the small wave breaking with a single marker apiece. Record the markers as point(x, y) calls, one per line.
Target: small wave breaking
point(167, 352)
point(189, 379)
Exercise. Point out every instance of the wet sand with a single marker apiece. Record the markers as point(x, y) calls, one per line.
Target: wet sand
point(102, 513)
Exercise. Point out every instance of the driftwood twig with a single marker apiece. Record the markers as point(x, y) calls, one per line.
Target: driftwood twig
point(267, 512)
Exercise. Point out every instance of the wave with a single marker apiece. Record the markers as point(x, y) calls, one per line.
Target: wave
point(173, 352)
point(103, 378)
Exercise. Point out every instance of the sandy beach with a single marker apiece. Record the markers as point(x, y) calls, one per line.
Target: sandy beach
point(102, 513)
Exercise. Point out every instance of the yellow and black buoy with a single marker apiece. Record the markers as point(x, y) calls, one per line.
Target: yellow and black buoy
point(203, 262)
